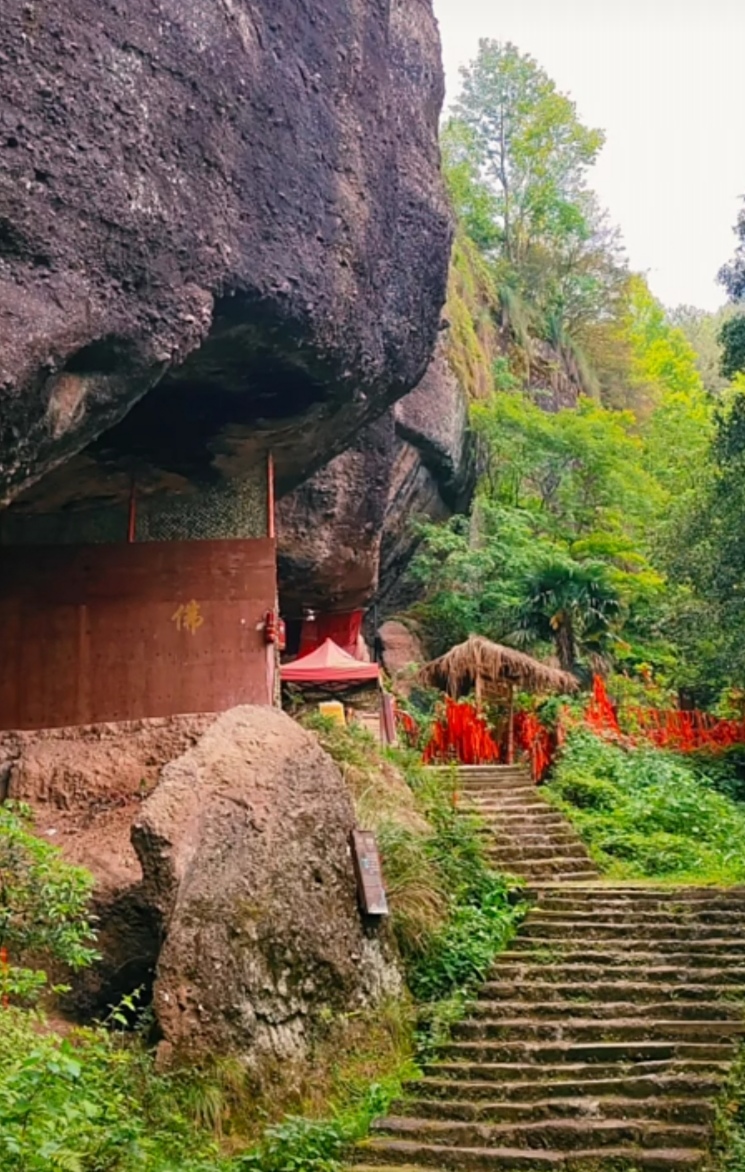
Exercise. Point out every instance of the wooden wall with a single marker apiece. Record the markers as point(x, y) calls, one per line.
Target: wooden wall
point(120, 632)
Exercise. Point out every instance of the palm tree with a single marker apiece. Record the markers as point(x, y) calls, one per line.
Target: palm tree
point(571, 605)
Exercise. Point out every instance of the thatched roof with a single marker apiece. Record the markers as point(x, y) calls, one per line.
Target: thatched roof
point(493, 664)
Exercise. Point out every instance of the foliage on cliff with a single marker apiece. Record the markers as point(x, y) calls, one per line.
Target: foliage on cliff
point(602, 527)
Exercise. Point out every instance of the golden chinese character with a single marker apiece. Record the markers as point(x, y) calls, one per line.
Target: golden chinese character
point(188, 617)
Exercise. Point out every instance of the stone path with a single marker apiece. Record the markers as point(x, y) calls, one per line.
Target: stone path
point(603, 1036)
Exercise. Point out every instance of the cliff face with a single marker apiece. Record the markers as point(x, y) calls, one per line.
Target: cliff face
point(347, 536)
point(222, 229)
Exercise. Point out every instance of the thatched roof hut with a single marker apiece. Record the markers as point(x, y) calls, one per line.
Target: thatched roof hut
point(493, 672)
point(484, 667)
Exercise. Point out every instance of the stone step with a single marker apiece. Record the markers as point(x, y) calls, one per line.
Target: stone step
point(561, 1134)
point(505, 798)
point(588, 1086)
point(606, 889)
point(566, 849)
point(582, 1029)
point(496, 819)
point(535, 927)
point(639, 992)
point(664, 1107)
point(534, 1051)
point(520, 808)
point(546, 862)
point(497, 785)
point(539, 838)
point(643, 912)
point(517, 1075)
point(590, 1006)
point(533, 870)
point(396, 1156)
point(477, 771)
point(604, 1034)
point(624, 968)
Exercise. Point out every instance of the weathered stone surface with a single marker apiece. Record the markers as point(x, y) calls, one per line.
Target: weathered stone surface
point(400, 648)
point(346, 535)
point(330, 529)
point(231, 212)
point(244, 848)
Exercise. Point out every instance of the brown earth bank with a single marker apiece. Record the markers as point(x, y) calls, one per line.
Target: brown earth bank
point(226, 220)
point(85, 786)
point(237, 901)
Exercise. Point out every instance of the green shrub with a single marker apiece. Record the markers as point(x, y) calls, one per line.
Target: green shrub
point(88, 1103)
point(648, 813)
point(43, 907)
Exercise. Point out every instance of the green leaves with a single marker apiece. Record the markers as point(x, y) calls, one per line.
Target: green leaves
point(43, 906)
point(573, 605)
point(532, 148)
point(649, 814)
point(86, 1104)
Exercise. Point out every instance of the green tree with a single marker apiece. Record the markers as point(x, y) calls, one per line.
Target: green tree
point(703, 331)
point(534, 151)
point(580, 470)
point(732, 340)
point(563, 494)
point(475, 205)
point(732, 277)
point(572, 605)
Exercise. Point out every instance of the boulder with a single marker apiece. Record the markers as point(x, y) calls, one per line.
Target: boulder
point(244, 847)
point(400, 648)
point(346, 536)
point(222, 230)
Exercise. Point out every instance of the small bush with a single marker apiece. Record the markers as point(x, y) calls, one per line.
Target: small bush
point(86, 1103)
point(43, 907)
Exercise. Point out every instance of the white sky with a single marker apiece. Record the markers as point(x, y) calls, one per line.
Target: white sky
point(665, 80)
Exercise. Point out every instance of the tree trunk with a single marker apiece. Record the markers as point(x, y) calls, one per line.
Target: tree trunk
point(565, 644)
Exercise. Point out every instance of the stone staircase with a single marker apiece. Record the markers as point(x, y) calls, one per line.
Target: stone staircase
point(526, 836)
point(602, 1037)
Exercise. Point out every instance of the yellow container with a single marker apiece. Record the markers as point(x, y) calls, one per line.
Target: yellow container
point(333, 710)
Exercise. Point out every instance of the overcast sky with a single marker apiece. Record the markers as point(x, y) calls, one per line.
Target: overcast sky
point(664, 79)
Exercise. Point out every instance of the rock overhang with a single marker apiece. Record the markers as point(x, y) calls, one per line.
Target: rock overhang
point(222, 230)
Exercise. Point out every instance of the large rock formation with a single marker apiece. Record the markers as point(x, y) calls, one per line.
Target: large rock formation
point(238, 898)
point(346, 535)
point(228, 211)
point(245, 851)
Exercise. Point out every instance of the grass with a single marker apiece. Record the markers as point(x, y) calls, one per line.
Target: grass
point(648, 814)
point(92, 1100)
point(451, 914)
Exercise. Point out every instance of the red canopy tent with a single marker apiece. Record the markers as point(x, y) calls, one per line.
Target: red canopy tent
point(328, 664)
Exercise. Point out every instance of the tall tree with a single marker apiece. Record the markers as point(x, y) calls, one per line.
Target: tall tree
point(732, 333)
point(533, 148)
point(703, 331)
